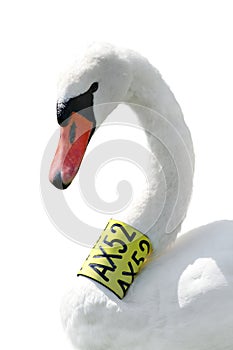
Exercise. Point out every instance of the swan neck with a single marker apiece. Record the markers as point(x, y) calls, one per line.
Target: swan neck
point(163, 205)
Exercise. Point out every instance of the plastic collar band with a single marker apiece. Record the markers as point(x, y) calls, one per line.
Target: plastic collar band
point(117, 257)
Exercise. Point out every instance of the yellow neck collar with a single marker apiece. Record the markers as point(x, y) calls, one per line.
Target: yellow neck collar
point(117, 257)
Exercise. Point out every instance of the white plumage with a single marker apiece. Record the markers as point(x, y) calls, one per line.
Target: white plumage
point(183, 299)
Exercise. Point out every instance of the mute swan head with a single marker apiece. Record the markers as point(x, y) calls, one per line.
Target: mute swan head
point(103, 76)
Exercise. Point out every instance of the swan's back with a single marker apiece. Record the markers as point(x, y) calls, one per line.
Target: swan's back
point(193, 290)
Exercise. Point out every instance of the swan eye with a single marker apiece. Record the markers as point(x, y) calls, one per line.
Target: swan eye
point(94, 87)
point(83, 102)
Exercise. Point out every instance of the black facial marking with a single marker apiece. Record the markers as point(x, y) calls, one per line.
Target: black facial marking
point(83, 102)
point(72, 132)
point(91, 134)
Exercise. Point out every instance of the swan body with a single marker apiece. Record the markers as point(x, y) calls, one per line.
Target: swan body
point(187, 305)
point(176, 301)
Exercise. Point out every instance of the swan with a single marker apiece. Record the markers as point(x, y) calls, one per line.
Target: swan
point(182, 298)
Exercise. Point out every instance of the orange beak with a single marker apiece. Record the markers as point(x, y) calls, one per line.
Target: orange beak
point(74, 138)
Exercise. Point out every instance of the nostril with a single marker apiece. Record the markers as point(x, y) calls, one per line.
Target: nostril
point(72, 133)
point(57, 182)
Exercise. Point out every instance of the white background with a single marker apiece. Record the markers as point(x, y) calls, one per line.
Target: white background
point(190, 42)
